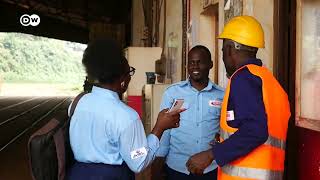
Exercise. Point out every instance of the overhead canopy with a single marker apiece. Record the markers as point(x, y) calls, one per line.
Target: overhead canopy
point(66, 19)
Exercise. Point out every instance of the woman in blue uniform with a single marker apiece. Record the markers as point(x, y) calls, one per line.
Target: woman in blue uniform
point(107, 136)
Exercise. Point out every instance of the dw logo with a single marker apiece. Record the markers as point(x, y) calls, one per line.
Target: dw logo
point(26, 20)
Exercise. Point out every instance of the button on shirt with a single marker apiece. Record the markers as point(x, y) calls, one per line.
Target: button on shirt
point(105, 130)
point(198, 124)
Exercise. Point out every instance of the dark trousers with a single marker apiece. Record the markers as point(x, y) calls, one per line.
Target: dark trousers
point(174, 175)
point(95, 171)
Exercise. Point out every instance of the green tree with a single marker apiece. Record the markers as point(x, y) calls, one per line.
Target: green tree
point(29, 58)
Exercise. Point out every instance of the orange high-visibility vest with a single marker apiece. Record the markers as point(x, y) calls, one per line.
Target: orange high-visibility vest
point(267, 160)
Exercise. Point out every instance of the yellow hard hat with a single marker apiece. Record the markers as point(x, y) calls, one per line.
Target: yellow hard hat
point(245, 30)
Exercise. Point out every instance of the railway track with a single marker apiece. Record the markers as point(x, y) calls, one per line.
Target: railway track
point(19, 118)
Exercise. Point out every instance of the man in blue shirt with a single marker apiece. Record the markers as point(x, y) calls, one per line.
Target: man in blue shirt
point(198, 124)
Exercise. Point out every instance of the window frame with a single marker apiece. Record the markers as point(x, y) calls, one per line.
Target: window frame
point(313, 124)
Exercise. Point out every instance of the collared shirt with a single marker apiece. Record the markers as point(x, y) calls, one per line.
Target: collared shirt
point(246, 102)
point(198, 124)
point(105, 130)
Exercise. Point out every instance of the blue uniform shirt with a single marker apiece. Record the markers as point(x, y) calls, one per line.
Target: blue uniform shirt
point(246, 101)
point(198, 124)
point(105, 130)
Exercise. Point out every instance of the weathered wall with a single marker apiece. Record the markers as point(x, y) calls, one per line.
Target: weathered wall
point(137, 23)
point(173, 46)
point(263, 11)
point(222, 71)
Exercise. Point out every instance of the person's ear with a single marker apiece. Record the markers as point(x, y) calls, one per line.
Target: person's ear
point(211, 64)
point(122, 81)
point(122, 84)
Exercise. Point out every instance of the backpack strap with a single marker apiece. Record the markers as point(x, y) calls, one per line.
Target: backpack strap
point(75, 102)
point(69, 157)
point(64, 152)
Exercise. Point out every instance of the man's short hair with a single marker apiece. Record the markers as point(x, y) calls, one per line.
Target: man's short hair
point(203, 49)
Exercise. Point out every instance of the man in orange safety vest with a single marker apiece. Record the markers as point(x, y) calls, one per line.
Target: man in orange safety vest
point(254, 113)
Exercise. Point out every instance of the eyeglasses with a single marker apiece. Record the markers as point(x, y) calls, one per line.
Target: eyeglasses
point(132, 71)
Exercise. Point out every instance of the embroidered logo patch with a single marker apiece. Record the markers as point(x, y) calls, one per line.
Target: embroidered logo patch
point(215, 103)
point(230, 115)
point(138, 153)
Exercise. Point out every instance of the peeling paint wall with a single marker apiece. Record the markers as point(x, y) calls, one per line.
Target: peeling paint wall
point(222, 70)
point(137, 23)
point(263, 11)
point(232, 8)
point(173, 46)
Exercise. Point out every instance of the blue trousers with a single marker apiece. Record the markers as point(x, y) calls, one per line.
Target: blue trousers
point(175, 175)
point(95, 171)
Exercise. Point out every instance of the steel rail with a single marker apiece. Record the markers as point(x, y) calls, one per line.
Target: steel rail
point(19, 103)
point(33, 124)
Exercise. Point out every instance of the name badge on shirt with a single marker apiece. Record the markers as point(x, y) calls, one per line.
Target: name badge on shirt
point(230, 115)
point(215, 103)
point(138, 153)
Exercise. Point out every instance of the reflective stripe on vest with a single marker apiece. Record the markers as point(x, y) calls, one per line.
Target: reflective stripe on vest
point(272, 141)
point(252, 173)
